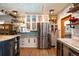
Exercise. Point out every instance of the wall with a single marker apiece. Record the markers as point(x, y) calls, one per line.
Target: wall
point(5, 18)
point(61, 15)
point(75, 32)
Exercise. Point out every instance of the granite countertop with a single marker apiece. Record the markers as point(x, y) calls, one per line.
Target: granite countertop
point(7, 37)
point(71, 43)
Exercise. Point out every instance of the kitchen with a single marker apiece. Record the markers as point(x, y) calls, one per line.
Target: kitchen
point(39, 29)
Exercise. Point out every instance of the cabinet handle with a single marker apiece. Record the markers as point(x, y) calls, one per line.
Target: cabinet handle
point(34, 41)
point(22, 44)
point(22, 41)
point(28, 40)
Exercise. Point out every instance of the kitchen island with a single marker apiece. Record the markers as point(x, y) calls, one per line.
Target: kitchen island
point(67, 47)
point(9, 45)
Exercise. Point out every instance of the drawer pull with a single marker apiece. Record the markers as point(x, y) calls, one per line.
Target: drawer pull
point(28, 40)
point(34, 41)
point(22, 44)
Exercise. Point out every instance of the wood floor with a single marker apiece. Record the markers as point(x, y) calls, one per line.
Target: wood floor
point(37, 52)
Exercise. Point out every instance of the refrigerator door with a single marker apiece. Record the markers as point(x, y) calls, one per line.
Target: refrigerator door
point(43, 42)
point(43, 35)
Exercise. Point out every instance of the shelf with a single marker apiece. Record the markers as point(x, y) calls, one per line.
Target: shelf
point(73, 24)
point(76, 8)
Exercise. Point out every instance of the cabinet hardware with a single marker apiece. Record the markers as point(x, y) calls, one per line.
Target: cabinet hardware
point(34, 41)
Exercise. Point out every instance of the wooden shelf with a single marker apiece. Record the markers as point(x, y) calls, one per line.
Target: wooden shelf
point(76, 8)
point(6, 29)
point(73, 24)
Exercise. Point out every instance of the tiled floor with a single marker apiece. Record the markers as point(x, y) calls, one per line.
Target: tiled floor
point(37, 52)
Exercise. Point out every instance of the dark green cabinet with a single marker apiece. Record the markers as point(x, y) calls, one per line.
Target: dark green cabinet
point(0, 48)
point(10, 47)
point(65, 50)
point(59, 48)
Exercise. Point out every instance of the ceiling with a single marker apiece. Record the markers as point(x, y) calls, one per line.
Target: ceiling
point(34, 7)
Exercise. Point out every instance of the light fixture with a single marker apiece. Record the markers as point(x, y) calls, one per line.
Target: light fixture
point(52, 16)
point(51, 11)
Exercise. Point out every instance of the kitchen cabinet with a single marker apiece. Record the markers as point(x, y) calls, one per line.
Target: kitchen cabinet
point(59, 48)
point(6, 29)
point(33, 42)
point(10, 47)
point(73, 53)
point(31, 23)
point(1, 49)
point(26, 41)
point(64, 49)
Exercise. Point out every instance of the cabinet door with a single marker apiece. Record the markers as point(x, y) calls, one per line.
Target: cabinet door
point(6, 48)
point(23, 43)
point(34, 23)
point(59, 48)
point(0, 49)
point(34, 26)
point(33, 42)
point(65, 50)
point(22, 40)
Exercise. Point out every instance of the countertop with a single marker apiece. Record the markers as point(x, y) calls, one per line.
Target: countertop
point(71, 43)
point(29, 34)
point(7, 37)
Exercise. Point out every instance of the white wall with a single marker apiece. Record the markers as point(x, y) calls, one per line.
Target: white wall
point(62, 14)
point(5, 18)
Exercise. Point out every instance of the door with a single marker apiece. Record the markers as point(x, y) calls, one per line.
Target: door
point(62, 25)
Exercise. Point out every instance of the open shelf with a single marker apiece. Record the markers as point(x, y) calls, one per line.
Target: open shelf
point(76, 8)
point(73, 24)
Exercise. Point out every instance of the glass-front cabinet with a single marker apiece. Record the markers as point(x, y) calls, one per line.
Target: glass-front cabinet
point(31, 24)
point(31, 21)
point(34, 23)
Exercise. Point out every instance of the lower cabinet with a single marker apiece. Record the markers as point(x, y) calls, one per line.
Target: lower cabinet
point(7, 48)
point(64, 50)
point(59, 48)
point(28, 42)
point(1, 49)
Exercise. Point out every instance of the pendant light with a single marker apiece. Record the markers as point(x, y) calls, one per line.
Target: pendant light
point(52, 16)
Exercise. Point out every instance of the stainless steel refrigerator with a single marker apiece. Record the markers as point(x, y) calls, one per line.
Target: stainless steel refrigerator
point(44, 35)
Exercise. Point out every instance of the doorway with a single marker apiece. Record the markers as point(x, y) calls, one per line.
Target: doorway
point(64, 27)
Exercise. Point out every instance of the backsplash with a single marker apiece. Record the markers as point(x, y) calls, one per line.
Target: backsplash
point(75, 33)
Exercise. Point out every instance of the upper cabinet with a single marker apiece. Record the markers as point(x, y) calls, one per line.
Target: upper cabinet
point(33, 18)
point(31, 21)
point(28, 18)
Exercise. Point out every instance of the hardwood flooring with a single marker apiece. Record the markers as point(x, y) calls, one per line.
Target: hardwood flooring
point(37, 52)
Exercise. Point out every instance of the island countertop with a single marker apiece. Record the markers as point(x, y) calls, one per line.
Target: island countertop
point(71, 43)
point(7, 37)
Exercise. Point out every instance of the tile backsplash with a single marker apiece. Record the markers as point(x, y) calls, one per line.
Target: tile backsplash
point(75, 31)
